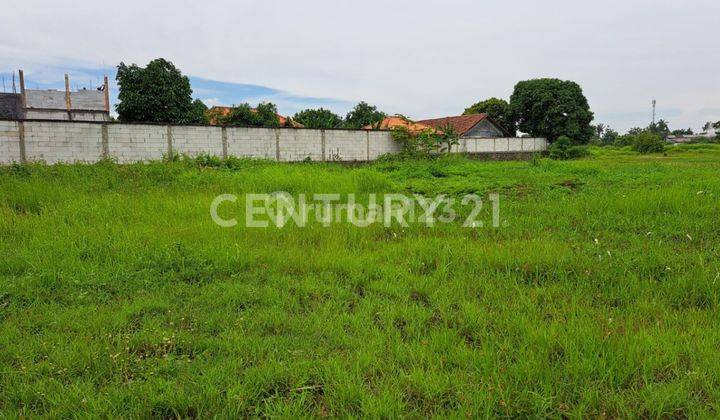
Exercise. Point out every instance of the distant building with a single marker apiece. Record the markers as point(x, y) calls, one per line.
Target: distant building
point(474, 125)
point(388, 123)
point(709, 133)
point(81, 105)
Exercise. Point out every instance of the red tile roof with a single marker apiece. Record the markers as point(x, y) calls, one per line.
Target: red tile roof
point(397, 121)
point(462, 123)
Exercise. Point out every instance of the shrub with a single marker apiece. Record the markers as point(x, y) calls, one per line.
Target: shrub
point(264, 115)
point(423, 143)
point(564, 149)
point(408, 141)
point(648, 143)
point(318, 118)
point(624, 140)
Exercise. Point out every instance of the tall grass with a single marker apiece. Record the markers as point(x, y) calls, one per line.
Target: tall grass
point(597, 296)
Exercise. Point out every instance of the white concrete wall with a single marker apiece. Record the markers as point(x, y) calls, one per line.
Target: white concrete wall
point(297, 145)
point(55, 99)
point(64, 141)
point(52, 142)
point(381, 143)
point(502, 145)
point(62, 115)
point(136, 142)
point(256, 143)
point(193, 141)
point(345, 145)
point(52, 99)
point(9, 142)
point(88, 99)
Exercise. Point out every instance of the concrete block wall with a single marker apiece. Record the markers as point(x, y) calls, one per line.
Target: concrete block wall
point(52, 99)
point(66, 141)
point(9, 142)
point(55, 99)
point(503, 145)
point(256, 143)
point(298, 145)
point(137, 142)
point(381, 143)
point(88, 99)
point(193, 141)
point(346, 145)
point(62, 115)
point(54, 143)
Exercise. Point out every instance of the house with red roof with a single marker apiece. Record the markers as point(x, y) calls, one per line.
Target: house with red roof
point(473, 125)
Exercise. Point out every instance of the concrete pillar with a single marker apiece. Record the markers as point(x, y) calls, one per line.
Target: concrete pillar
point(106, 91)
point(277, 144)
point(169, 143)
point(367, 145)
point(224, 142)
point(68, 104)
point(322, 144)
point(21, 75)
point(21, 137)
point(105, 141)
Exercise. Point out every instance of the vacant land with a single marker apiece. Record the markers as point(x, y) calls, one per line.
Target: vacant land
point(598, 295)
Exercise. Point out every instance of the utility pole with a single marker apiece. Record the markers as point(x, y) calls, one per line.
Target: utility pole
point(654, 102)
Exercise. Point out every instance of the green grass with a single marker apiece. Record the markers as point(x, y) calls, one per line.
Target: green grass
point(598, 296)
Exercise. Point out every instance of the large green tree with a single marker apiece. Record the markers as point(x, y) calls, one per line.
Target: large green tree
point(157, 92)
point(552, 108)
point(363, 115)
point(497, 109)
point(318, 118)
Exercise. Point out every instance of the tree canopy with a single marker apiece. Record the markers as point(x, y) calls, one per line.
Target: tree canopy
point(552, 108)
point(498, 110)
point(363, 115)
point(156, 93)
point(264, 115)
point(318, 118)
point(660, 128)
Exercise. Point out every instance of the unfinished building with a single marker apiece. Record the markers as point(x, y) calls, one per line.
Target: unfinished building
point(51, 104)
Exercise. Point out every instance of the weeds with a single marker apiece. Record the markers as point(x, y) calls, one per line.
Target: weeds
point(598, 296)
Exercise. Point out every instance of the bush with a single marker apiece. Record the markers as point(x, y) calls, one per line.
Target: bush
point(564, 149)
point(624, 140)
point(423, 144)
point(648, 143)
point(264, 115)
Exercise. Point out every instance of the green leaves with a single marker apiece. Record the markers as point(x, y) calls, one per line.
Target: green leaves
point(498, 110)
point(551, 108)
point(157, 93)
point(363, 115)
point(265, 115)
point(318, 118)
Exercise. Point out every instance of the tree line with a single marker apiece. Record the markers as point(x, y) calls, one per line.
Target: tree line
point(550, 108)
point(160, 93)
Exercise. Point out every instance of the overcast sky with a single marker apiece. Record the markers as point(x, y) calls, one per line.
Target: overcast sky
point(422, 58)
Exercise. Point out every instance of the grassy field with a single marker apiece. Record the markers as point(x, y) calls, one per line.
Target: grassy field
point(598, 295)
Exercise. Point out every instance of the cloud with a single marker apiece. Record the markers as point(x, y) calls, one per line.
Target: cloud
point(211, 92)
point(422, 58)
point(211, 102)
